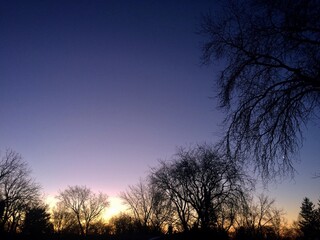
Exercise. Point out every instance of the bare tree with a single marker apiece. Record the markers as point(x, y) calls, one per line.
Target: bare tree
point(203, 180)
point(139, 200)
point(169, 185)
point(10, 162)
point(18, 191)
point(259, 217)
point(162, 210)
point(85, 205)
point(270, 84)
point(227, 213)
point(63, 219)
point(149, 208)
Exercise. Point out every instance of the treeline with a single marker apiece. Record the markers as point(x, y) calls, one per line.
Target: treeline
point(199, 193)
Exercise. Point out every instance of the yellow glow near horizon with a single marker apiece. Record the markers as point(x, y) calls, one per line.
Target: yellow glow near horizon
point(115, 207)
point(51, 201)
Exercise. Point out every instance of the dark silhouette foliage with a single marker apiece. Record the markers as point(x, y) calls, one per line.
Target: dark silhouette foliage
point(270, 83)
point(309, 222)
point(37, 223)
point(124, 224)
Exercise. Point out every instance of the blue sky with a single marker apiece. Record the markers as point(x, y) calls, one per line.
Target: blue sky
point(96, 92)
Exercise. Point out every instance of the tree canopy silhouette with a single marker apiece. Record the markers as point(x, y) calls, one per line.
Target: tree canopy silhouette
point(18, 192)
point(309, 221)
point(270, 85)
point(84, 205)
point(201, 183)
point(150, 208)
point(37, 222)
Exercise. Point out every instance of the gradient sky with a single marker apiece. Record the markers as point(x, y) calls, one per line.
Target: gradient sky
point(95, 92)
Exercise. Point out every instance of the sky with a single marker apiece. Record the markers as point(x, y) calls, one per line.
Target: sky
point(96, 92)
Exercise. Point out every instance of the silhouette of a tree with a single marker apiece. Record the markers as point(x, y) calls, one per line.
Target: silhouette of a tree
point(309, 221)
point(270, 85)
point(123, 224)
point(9, 163)
point(85, 205)
point(18, 191)
point(204, 180)
point(258, 218)
point(164, 178)
point(149, 207)
point(37, 222)
point(63, 220)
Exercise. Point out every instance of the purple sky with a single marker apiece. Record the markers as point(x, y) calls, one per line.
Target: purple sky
point(96, 92)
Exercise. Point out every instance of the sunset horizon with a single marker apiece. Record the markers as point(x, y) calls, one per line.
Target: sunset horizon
point(132, 99)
